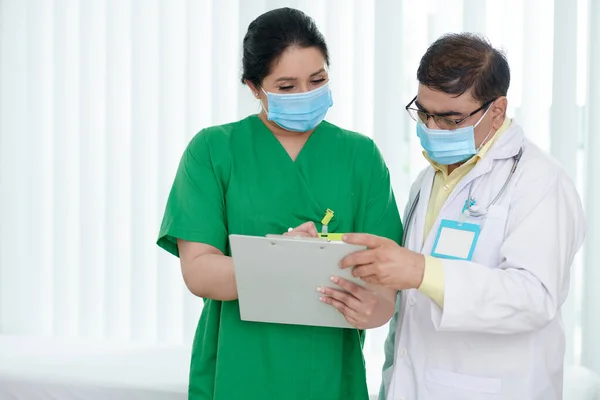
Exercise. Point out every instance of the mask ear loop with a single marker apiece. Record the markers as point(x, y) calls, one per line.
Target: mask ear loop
point(485, 140)
point(489, 133)
point(265, 109)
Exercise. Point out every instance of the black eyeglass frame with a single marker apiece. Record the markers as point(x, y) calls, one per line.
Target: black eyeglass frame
point(437, 118)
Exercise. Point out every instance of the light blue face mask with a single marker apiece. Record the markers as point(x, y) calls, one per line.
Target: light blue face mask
point(448, 147)
point(299, 112)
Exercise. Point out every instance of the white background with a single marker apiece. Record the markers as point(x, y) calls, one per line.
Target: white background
point(100, 97)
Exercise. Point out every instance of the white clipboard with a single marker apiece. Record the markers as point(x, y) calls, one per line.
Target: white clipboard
point(277, 278)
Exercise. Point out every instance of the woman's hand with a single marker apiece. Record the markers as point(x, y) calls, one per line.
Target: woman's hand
point(307, 229)
point(363, 308)
point(384, 262)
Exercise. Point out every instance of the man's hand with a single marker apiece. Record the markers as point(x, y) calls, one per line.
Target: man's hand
point(384, 262)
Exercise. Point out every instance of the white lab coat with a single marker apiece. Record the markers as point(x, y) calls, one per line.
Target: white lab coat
point(500, 333)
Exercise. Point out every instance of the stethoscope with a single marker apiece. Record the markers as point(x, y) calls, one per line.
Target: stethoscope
point(471, 210)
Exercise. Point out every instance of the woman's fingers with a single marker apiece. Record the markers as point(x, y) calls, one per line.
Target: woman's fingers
point(341, 306)
point(343, 297)
point(307, 229)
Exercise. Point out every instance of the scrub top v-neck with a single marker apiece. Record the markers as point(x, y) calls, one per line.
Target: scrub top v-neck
point(238, 179)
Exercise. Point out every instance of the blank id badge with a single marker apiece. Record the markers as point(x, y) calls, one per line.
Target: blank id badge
point(456, 240)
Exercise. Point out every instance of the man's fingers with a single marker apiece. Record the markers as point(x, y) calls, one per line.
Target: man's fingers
point(358, 258)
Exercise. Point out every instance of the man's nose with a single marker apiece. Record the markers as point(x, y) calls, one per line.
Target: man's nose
point(431, 123)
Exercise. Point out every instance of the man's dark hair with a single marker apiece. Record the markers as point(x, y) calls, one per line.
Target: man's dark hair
point(457, 63)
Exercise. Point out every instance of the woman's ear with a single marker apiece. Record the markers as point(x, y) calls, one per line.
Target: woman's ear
point(255, 90)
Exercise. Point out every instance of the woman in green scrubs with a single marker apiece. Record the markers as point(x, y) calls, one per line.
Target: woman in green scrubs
point(262, 175)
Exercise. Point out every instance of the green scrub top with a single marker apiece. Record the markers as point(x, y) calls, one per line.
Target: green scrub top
point(238, 179)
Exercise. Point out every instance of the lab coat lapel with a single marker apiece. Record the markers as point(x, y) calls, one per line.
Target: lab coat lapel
point(415, 241)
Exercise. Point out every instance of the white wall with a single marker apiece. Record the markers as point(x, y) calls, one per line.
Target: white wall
point(99, 98)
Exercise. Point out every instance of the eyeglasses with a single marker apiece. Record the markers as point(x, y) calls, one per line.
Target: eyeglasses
point(441, 121)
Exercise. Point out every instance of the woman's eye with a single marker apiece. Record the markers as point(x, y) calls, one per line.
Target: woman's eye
point(285, 87)
point(317, 81)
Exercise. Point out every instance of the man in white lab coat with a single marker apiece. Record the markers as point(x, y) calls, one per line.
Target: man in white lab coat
point(491, 229)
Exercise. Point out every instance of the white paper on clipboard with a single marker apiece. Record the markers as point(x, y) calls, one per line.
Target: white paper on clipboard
point(277, 278)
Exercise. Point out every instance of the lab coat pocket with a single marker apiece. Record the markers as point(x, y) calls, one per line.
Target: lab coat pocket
point(463, 382)
point(493, 232)
point(496, 212)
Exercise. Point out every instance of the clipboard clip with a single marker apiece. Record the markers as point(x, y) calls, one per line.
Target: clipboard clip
point(303, 238)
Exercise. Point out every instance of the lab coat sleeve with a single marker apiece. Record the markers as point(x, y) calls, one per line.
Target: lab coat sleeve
point(545, 229)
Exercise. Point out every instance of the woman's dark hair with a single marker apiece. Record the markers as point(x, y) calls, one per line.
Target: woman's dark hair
point(271, 34)
point(457, 63)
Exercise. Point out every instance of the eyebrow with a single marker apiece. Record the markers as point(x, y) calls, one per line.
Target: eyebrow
point(442, 114)
point(288, 78)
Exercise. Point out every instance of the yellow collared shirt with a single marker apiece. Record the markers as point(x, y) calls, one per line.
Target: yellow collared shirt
point(443, 184)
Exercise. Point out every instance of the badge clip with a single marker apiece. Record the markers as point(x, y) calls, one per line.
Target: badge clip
point(464, 215)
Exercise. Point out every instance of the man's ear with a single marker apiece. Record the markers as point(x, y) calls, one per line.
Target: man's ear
point(498, 111)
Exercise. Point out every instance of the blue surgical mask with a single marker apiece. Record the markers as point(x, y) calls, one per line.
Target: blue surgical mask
point(299, 112)
point(448, 147)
